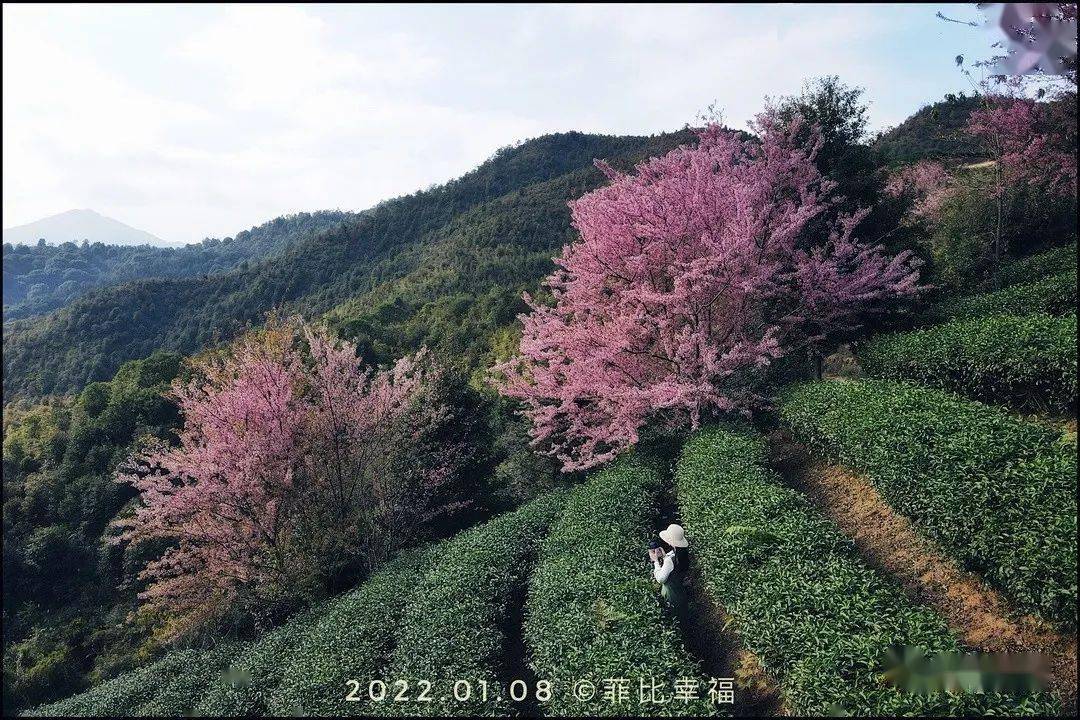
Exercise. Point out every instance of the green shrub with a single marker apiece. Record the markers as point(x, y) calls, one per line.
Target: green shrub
point(351, 640)
point(1054, 295)
point(452, 631)
point(1052, 262)
point(802, 600)
point(593, 610)
point(996, 491)
point(134, 693)
point(963, 233)
point(1003, 358)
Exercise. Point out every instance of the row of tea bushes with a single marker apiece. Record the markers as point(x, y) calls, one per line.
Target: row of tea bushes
point(1053, 295)
point(1052, 262)
point(593, 610)
point(440, 606)
point(246, 686)
point(1027, 361)
point(192, 672)
point(452, 634)
point(996, 491)
point(135, 693)
point(802, 600)
point(351, 640)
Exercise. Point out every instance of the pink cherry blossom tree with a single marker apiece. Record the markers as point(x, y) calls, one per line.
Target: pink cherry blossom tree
point(294, 465)
point(1031, 147)
point(691, 276)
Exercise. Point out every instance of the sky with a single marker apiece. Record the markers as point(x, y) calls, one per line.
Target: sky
point(201, 121)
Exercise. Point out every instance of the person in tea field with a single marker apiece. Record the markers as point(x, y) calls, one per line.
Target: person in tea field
point(670, 559)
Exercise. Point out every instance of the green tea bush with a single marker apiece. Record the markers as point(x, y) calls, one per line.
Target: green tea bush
point(452, 630)
point(351, 640)
point(193, 672)
point(593, 610)
point(1001, 358)
point(247, 684)
point(1052, 262)
point(116, 697)
point(802, 600)
point(1054, 295)
point(442, 606)
point(136, 693)
point(996, 491)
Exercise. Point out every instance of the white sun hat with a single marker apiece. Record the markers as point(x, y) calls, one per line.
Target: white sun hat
point(674, 536)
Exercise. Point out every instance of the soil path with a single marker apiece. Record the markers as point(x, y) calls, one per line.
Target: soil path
point(515, 658)
point(707, 637)
point(981, 616)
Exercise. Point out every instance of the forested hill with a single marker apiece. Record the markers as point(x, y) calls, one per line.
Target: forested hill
point(510, 209)
point(935, 131)
point(40, 278)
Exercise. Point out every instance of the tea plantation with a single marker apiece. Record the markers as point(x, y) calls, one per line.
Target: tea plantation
point(1026, 361)
point(996, 490)
point(817, 617)
point(509, 616)
point(592, 611)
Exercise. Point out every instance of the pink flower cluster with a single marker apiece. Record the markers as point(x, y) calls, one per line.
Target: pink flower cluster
point(277, 474)
point(1029, 142)
point(926, 181)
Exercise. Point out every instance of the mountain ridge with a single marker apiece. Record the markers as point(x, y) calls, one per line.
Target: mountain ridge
point(88, 339)
point(81, 224)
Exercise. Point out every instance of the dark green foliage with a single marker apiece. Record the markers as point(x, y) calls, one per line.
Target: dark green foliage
point(840, 113)
point(1053, 295)
point(965, 227)
point(997, 492)
point(593, 611)
point(40, 278)
point(167, 687)
point(801, 599)
point(963, 232)
point(255, 671)
point(90, 338)
point(935, 131)
point(1027, 361)
point(62, 585)
point(452, 629)
point(191, 673)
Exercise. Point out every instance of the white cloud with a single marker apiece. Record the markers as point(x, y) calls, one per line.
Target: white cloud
point(190, 121)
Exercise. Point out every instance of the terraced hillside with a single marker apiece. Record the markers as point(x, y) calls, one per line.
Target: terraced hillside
point(852, 542)
point(801, 598)
point(438, 630)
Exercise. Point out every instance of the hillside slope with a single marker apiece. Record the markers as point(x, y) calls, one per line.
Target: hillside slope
point(89, 339)
point(934, 131)
point(41, 278)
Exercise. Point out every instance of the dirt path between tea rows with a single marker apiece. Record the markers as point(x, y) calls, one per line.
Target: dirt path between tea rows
point(981, 616)
point(708, 637)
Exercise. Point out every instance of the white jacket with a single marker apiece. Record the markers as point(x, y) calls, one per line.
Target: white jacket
point(663, 569)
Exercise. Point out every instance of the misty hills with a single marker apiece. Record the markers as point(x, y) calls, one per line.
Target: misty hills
point(468, 246)
point(444, 267)
point(78, 225)
point(41, 278)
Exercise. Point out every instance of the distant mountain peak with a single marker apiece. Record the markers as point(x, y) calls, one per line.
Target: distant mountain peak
point(78, 225)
